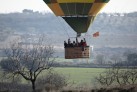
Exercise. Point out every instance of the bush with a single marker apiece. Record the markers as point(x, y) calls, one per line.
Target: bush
point(53, 81)
point(118, 76)
point(14, 87)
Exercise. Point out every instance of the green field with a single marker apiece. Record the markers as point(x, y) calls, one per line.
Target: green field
point(76, 75)
point(80, 75)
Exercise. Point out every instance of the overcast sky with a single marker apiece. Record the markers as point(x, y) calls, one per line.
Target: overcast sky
point(7, 6)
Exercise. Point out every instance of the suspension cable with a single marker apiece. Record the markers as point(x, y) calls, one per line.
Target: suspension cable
point(63, 27)
point(54, 26)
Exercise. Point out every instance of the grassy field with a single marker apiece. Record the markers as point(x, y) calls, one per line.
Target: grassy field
point(80, 75)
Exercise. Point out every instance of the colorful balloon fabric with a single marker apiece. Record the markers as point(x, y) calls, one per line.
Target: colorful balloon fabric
point(79, 14)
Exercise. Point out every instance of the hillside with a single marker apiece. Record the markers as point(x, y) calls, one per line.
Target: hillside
point(116, 30)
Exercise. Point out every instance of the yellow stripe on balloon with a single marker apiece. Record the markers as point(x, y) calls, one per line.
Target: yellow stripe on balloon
point(96, 7)
point(75, 1)
point(56, 9)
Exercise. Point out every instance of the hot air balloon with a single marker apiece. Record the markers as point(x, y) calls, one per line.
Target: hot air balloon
point(79, 14)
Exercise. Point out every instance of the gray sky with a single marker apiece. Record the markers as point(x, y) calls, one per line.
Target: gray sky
point(7, 6)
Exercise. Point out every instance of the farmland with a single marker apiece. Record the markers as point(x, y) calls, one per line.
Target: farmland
point(76, 76)
point(80, 75)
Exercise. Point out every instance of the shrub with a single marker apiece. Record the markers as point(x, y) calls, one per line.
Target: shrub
point(53, 80)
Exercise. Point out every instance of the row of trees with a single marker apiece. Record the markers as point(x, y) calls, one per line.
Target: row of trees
point(27, 19)
point(119, 76)
point(127, 59)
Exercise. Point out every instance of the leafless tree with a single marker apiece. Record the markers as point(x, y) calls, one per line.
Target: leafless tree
point(106, 78)
point(28, 61)
point(132, 73)
point(118, 75)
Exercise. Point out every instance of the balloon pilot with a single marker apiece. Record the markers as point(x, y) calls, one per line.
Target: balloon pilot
point(76, 43)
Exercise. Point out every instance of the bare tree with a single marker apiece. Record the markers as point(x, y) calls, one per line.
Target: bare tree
point(28, 60)
point(118, 76)
point(106, 78)
point(132, 73)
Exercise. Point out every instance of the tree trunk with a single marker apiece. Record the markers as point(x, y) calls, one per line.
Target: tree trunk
point(33, 85)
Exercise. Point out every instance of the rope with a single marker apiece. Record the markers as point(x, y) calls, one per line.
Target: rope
point(63, 27)
point(87, 27)
point(57, 27)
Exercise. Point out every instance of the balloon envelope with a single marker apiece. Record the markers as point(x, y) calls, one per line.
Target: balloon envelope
point(79, 14)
